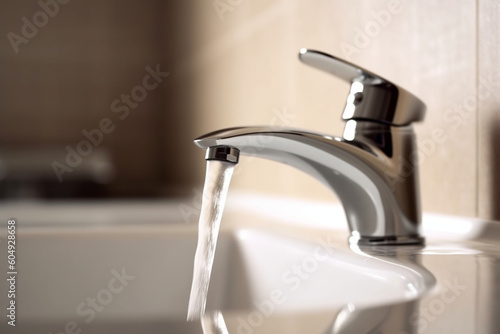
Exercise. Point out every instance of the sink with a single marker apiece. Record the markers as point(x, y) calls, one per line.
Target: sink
point(128, 269)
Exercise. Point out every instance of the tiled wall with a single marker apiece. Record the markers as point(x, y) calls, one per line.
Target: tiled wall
point(235, 63)
point(488, 113)
point(245, 71)
point(63, 80)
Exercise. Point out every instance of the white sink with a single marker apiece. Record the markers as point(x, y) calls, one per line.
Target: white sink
point(281, 271)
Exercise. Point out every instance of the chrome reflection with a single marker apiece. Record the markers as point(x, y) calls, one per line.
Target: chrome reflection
point(394, 317)
point(387, 319)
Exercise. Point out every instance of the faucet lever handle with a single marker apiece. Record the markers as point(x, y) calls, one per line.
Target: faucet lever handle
point(371, 98)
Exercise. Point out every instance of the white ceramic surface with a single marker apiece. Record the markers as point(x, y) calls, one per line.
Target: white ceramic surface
point(277, 256)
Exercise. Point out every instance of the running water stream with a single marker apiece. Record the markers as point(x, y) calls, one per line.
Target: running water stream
point(217, 179)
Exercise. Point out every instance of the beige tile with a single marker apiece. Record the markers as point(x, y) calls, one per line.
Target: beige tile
point(247, 66)
point(489, 110)
point(241, 68)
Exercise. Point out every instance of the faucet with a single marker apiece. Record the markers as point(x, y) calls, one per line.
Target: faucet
point(372, 168)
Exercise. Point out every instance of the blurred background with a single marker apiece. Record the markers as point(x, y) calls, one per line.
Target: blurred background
point(102, 99)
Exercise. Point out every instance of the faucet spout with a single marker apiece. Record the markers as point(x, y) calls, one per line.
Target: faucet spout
point(380, 201)
point(372, 168)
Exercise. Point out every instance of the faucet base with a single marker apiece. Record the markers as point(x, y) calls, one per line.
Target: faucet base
point(390, 241)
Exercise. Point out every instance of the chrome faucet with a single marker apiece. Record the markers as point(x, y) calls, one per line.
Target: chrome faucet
point(372, 168)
